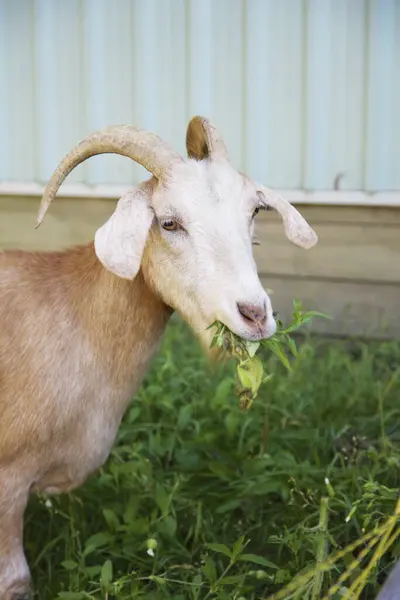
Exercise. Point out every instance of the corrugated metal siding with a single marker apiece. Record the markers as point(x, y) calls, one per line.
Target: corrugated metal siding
point(303, 90)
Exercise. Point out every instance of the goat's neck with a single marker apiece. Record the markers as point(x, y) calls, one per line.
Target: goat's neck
point(123, 320)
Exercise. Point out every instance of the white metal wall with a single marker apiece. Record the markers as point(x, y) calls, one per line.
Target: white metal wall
point(303, 90)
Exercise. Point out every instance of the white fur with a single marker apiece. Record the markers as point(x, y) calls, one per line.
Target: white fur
point(119, 243)
point(14, 570)
point(206, 270)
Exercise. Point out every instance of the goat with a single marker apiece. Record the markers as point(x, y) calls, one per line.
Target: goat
point(80, 326)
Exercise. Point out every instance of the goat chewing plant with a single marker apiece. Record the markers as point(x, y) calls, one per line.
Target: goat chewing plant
point(192, 500)
point(96, 313)
point(250, 369)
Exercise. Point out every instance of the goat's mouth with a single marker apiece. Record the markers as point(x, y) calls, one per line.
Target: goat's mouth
point(252, 331)
point(255, 333)
point(251, 323)
point(254, 326)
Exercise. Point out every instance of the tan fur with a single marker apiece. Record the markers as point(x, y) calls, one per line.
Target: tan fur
point(75, 343)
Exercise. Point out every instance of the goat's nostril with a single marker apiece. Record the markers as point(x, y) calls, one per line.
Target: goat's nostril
point(253, 312)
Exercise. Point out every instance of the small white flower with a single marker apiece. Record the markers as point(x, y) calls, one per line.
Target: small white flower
point(48, 503)
point(327, 482)
point(150, 551)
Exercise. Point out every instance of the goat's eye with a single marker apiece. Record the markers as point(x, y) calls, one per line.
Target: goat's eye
point(170, 225)
point(256, 211)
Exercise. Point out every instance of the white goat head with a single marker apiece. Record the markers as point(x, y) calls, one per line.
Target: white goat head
point(189, 229)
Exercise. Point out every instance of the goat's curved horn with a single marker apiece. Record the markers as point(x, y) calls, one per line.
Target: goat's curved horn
point(203, 140)
point(144, 147)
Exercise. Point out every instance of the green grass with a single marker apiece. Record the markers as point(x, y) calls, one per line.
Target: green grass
point(232, 504)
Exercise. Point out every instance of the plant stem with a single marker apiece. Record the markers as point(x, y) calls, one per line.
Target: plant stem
point(213, 587)
point(322, 548)
point(382, 547)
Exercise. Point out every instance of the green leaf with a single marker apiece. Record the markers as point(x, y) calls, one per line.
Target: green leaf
point(228, 506)
point(162, 499)
point(96, 541)
point(292, 346)
point(69, 565)
point(252, 348)
point(196, 582)
point(221, 469)
point(107, 573)
point(167, 526)
point(291, 328)
point(93, 571)
point(184, 416)
point(250, 373)
point(213, 342)
point(250, 370)
point(258, 560)
point(71, 595)
point(279, 352)
point(111, 519)
point(316, 313)
point(214, 324)
point(221, 548)
point(244, 376)
point(209, 570)
point(223, 391)
point(133, 414)
point(238, 546)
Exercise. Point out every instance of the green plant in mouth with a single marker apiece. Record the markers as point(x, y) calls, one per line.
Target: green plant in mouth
point(250, 369)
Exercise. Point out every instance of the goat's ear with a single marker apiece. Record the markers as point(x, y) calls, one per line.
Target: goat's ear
point(120, 242)
point(297, 229)
point(196, 140)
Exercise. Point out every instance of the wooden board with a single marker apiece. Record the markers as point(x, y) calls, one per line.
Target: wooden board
point(351, 251)
point(317, 214)
point(366, 251)
point(68, 221)
point(357, 309)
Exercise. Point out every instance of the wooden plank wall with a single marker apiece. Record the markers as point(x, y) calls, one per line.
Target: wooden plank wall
point(353, 273)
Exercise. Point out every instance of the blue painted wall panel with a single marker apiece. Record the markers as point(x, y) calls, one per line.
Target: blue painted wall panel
point(302, 90)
